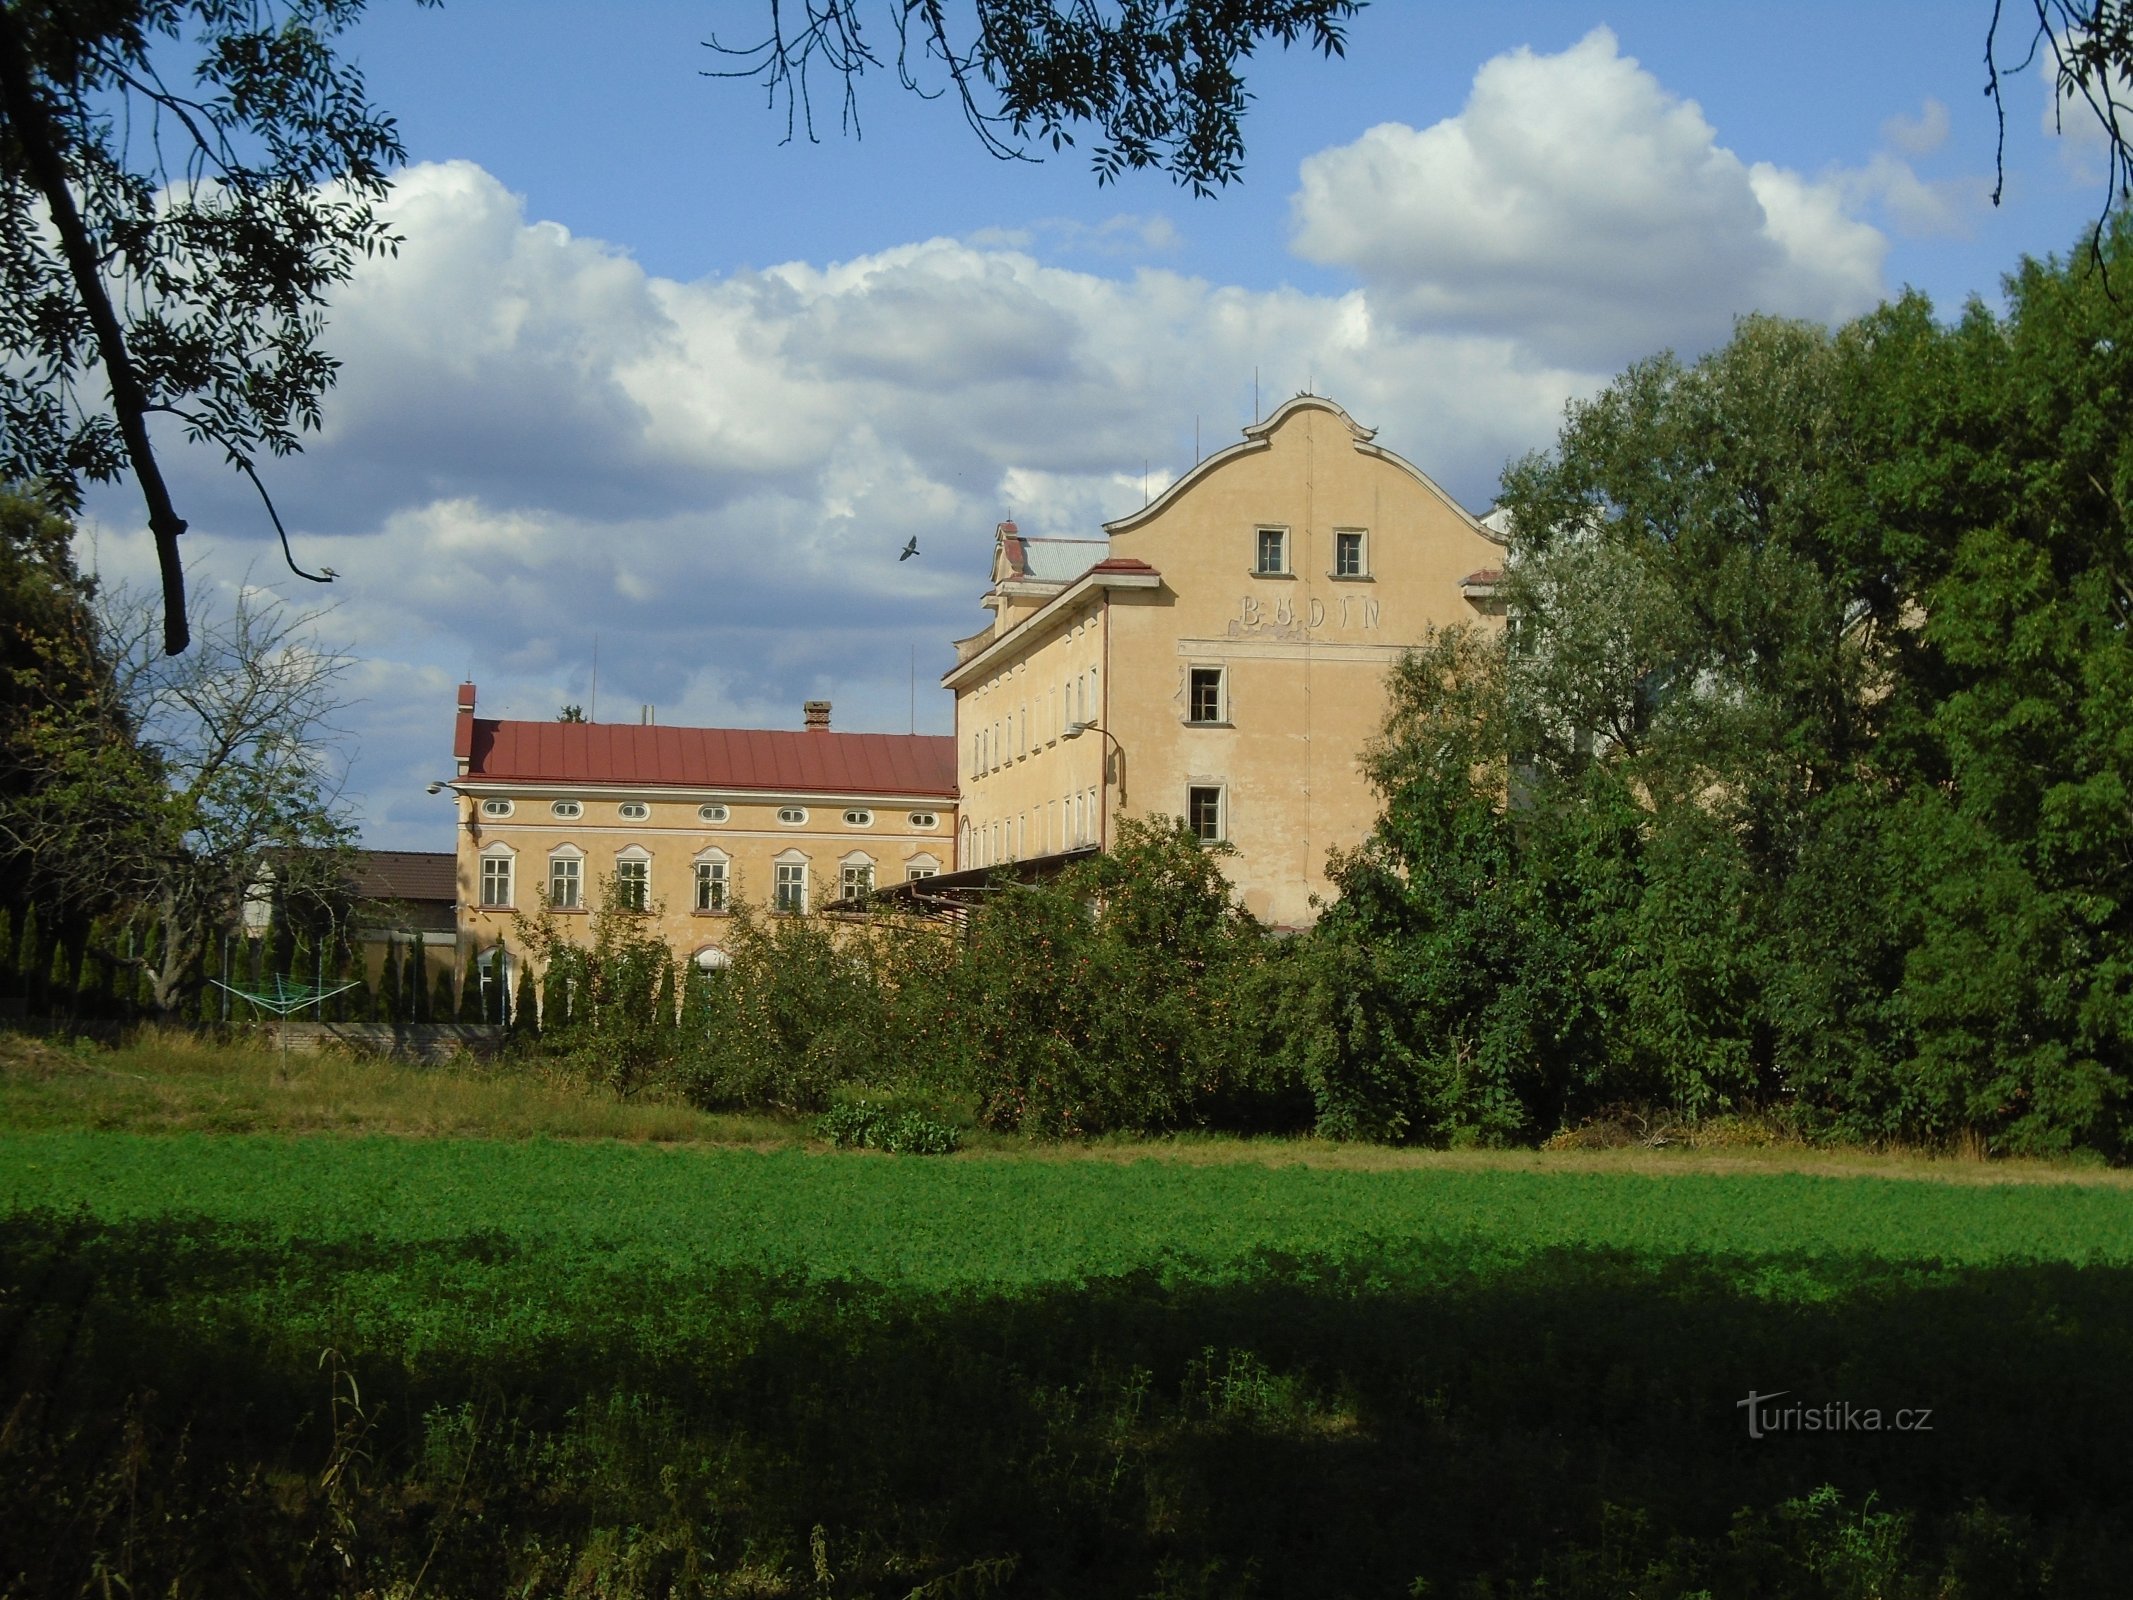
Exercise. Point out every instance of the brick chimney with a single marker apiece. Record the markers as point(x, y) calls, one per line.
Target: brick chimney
point(463, 733)
point(816, 715)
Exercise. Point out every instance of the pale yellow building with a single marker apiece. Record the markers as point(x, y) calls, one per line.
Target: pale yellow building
point(688, 822)
point(1220, 656)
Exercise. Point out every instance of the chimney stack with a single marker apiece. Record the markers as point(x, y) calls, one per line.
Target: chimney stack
point(816, 714)
point(463, 730)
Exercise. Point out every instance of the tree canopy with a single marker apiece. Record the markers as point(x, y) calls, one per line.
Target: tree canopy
point(177, 235)
point(1805, 781)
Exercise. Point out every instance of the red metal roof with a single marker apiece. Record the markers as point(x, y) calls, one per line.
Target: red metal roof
point(713, 758)
point(1124, 564)
point(1486, 575)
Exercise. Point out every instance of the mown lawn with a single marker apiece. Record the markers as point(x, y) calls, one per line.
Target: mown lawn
point(334, 1364)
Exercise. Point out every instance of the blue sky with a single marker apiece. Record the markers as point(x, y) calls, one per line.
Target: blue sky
point(647, 379)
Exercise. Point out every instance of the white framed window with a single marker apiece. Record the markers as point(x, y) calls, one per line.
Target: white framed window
point(566, 881)
point(913, 874)
point(633, 811)
point(855, 881)
point(496, 808)
point(792, 816)
point(713, 814)
point(496, 880)
point(789, 887)
point(712, 884)
point(1203, 810)
point(1351, 553)
point(1204, 697)
point(924, 820)
point(567, 810)
point(1272, 553)
point(859, 817)
point(921, 866)
point(633, 881)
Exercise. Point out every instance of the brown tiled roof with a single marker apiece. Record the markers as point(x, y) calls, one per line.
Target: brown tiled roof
point(406, 875)
point(713, 758)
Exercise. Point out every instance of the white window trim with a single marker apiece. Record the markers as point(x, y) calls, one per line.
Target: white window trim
point(1221, 672)
point(1363, 555)
point(791, 858)
point(509, 858)
point(1288, 553)
point(864, 814)
point(725, 815)
point(785, 821)
point(636, 855)
point(567, 852)
point(495, 808)
point(710, 858)
point(566, 810)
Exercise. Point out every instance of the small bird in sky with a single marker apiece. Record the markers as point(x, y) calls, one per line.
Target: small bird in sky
point(910, 549)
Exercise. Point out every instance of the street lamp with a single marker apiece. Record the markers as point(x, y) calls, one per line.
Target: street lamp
point(1074, 730)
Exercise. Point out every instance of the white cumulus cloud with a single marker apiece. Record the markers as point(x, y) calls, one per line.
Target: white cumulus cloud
point(1577, 205)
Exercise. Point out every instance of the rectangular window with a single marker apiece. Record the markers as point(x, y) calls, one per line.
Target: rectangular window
point(564, 883)
point(496, 880)
point(916, 873)
point(1203, 695)
point(790, 887)
point(710, 885)
point(1203, 811)
point(856, 881)
point(1348, 554)
point(1273, 552)
point(633, 885)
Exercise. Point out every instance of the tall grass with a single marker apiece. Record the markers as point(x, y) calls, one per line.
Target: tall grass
point(174, 1081)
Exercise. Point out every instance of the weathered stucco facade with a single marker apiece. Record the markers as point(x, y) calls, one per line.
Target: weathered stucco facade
point(1227, 647)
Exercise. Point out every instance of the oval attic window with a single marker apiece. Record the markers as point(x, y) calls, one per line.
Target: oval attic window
point(496, 808)
point(633, 811)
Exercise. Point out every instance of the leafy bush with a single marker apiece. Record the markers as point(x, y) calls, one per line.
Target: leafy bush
point(1118, 996)
point(612, 993)
point(869, 1125)
point(809, 1007)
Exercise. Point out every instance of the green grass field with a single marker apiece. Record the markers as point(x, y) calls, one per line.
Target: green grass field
point(659, 1364)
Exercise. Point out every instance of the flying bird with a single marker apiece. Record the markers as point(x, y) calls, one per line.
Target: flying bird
point(910, 549)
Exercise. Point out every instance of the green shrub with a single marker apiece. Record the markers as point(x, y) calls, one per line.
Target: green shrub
point(869, 1125)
